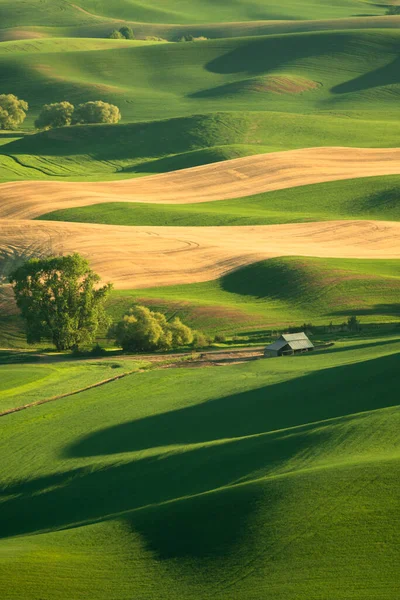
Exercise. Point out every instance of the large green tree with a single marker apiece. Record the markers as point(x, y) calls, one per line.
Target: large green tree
point(60, 299)
point(12, 111)
point(96, 112)
point(58, 114)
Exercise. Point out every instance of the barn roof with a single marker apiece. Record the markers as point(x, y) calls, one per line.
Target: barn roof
point(295, 341)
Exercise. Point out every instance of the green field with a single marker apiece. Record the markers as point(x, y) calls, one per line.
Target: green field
point(22, 384)
point(364, 198)
point(57, 13)
point(274, 92)
point(272, 479)
point(198, 484)
point(280, 292)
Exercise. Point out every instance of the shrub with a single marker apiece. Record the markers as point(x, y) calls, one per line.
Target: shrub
point(58, 114)
point(127, 33)
point(143, 330)
point(393, 10)
point(154, 38)
point(353, 324)
point(186, 38)
point(116, 35)
point(200, 340)
point(96, 112)
point(12, 111)
point(219, 338)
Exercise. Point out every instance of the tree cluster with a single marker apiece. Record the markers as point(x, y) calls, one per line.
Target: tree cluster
point(124, 33)
point(12, 111)
point(143, 330)
point(62, 114)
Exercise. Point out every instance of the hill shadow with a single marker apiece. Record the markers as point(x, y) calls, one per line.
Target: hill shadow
point(267, 54)
point(184, 526)
point(387, 75)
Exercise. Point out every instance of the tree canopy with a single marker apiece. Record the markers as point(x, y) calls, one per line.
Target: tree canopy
point(60, 299)
point(96, 112)
point(58, 114)
point(12, 111)
point(143, 330)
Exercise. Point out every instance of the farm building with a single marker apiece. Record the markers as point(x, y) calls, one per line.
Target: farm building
point(289, 343)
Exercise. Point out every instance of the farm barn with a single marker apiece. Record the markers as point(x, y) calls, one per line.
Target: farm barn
point(289, 343)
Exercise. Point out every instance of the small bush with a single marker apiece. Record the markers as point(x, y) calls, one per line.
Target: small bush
point(353, 324)
point(116, 35)
point(200, 340)
point(127, 33)
point(186, 38)
point(154, 38)
point(98, 350)
point(393, 10)
point(219, 338)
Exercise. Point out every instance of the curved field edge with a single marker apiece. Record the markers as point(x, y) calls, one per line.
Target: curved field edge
point(279, 292)
point(224, 180)
point(236, 477)
point(363, 198)
point(210, 30)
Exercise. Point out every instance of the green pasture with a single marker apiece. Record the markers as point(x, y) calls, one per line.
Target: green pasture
point(56, 13)
point(353, 70)
point(364, 198)
point(193, 103)
point(22, 384)
point(103, 152)
point(272, 478)
point(278, 293)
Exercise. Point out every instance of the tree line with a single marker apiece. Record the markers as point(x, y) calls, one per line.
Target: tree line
point(58, 114)
point(61, 299)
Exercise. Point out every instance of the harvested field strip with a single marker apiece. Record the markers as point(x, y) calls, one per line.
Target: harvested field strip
point(139, 257)
point(229, 179)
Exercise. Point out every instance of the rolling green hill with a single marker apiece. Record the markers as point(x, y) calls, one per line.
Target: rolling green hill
point(280, 292)
point(277, 477)
point(297, 73)
point(101, 152)
point(364, 198)
point(62, 13)
point(275, 92)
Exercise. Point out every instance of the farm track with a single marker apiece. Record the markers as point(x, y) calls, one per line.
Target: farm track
point(217, 181)
point(140, 257)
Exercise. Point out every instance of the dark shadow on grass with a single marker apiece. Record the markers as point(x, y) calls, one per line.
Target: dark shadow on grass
point(345, 390)
point(392, 310)
point(197, 523)
point(387, 75)
point(263, 55)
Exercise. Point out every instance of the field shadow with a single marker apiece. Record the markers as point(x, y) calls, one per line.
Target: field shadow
point(197, 517)
point(387, 75)
point(390, 309)
point(263, 55)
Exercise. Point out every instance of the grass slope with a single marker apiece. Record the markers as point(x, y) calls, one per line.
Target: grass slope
point(353, 70)
point(102, 152)
point(364, 198)
point(279, 292)
point(21, 384)
point(277, 477)
point(61, 13)
point(277, 92)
